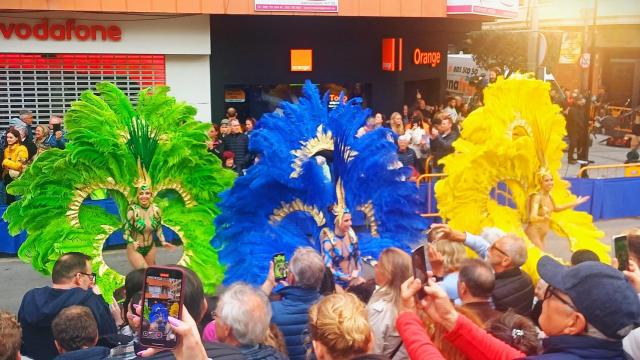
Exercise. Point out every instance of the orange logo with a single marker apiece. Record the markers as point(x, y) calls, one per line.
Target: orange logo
point(432, 58)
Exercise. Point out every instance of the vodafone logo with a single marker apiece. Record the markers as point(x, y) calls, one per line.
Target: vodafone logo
point(66, 31)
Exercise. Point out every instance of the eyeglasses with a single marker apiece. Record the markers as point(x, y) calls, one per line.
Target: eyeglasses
point(551, 292)
point(91, 275)
point(493, 246)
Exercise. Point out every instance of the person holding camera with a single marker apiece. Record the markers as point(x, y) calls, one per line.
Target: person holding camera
point(56, 137)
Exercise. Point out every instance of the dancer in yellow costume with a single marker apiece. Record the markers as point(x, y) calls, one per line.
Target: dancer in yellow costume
point(541, 206)
point(513, 139)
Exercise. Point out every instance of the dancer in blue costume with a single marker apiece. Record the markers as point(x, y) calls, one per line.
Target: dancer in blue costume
point(312, 169)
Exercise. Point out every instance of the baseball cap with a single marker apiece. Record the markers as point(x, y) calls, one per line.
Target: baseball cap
point(224, 122)
point(600, 292)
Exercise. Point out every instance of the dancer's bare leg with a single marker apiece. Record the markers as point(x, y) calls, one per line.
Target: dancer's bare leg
point(150, 259)
point(136, 259)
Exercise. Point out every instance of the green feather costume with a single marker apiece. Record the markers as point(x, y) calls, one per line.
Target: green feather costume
point(109, 139)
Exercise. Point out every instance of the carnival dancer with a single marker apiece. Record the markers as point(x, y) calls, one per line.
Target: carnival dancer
point(541, 206)
point(144, 220)
point(340, 249)
point(505, 172)
point(151, 159)
point(315, 175)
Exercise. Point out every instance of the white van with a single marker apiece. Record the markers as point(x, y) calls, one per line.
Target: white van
point(460, 70)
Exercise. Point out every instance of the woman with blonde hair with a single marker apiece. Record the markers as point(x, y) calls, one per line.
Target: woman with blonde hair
point(40, 139)
point(339, 328)
point(452, 255)
point(395, 121)
point(393, 269)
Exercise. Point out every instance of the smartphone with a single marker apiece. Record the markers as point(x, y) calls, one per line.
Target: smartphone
point(621, 251)
point(280, 266)
point(421, 265)
point(162, 297)
point(57, 127)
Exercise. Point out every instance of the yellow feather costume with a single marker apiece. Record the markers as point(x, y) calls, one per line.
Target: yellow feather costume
point(509, 140)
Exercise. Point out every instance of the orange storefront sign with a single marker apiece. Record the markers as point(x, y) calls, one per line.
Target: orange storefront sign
point(301, 60)
point(431, 58)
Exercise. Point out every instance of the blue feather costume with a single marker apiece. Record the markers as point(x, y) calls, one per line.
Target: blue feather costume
point(283, 200)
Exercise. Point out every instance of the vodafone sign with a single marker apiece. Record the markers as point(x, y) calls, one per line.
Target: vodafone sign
point(65, 31)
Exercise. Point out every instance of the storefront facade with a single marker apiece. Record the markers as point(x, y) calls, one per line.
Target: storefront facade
point(258, 60)
point(48, 58)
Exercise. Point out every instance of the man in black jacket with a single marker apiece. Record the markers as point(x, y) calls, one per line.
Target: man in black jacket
point(72, 281)
point(442, 138)
point(238, 143)
point(578, 130)
point(514, 288)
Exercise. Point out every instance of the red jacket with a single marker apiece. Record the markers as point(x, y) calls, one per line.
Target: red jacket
point(474, 342)
point(415, 338)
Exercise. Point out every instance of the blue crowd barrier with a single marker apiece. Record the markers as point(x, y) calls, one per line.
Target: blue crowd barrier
point(10, 244)
point(610, 199)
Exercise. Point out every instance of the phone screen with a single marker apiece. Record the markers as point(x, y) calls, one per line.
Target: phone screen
point(421, 265)
point(280, 266)
point(621, 250)
point(162, 298)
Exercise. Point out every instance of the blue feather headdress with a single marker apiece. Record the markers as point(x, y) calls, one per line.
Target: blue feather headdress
point(312, 167)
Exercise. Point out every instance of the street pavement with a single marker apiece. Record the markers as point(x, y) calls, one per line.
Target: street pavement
point(16, 277)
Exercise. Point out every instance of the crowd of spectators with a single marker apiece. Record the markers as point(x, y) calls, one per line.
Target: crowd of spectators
point(587, 310)
point(422, 132)
point(21, 143)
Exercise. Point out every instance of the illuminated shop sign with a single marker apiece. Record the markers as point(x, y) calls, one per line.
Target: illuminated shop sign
point(66, 31)
point(424, 57)
point(301, 60)
point(392, 59)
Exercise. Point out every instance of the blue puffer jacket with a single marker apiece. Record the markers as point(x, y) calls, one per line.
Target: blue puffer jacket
point(566, 347)
point(290, 314)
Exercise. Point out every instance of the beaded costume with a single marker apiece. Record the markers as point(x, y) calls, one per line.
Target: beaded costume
point(116, 146)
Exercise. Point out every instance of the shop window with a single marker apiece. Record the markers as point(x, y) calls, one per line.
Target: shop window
point(48, 83)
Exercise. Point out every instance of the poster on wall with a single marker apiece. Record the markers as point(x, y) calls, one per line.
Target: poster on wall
point(571, 48)
point(297, 5)
point(496, 8)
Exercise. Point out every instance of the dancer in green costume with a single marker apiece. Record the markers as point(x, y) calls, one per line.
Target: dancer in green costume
point(153, 161)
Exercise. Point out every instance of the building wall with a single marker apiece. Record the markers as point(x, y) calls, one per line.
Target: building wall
point(140, 34)
point(396, 8)
point(184, 41)
point(562, 13)
point(255, 50)
point(188, 76)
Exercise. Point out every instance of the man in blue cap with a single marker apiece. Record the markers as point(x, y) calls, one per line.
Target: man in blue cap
point(588, 309)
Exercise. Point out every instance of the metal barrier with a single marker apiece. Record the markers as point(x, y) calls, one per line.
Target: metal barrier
point(427, 164)
point(430, 179)
point(620, 170)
